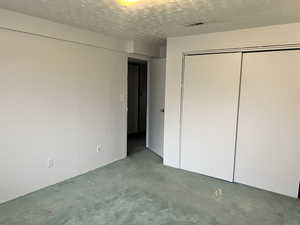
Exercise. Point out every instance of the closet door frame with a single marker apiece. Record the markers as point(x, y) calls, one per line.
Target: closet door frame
point(241, 50)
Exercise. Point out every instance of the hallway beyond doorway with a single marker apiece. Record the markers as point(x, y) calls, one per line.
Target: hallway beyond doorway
point(136, 143)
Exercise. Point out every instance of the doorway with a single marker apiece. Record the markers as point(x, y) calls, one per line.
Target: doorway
point(137, 106)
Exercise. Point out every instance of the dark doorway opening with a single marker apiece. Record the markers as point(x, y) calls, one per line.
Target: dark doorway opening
point(137, 106)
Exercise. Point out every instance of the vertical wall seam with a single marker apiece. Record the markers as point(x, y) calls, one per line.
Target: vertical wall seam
point(181, 109)
point(238, 115)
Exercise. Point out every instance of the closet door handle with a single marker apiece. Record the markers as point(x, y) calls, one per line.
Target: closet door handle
point(162, 110)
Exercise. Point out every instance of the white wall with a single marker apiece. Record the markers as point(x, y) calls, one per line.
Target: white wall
point(163, 51)
point(21, 22)
point(156, 103)
point(58, 100)
point(143, 48)
point(264, 36)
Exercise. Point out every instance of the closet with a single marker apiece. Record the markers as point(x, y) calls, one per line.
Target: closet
point(240, 118)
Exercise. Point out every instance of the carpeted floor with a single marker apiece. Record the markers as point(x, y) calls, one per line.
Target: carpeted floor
point(140, 190)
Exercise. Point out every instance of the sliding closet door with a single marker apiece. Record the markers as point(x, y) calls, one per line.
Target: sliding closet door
point(268, 147)
point(209, 114)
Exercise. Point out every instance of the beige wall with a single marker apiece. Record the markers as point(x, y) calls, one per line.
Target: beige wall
point(264, 36)
point(58, 101)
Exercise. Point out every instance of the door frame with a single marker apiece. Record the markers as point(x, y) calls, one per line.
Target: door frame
point(137, 59)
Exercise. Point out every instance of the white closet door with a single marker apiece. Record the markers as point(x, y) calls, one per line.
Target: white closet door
point(268, 147)
point(209, 114)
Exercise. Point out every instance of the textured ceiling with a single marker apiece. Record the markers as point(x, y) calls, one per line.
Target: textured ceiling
point(154, 20)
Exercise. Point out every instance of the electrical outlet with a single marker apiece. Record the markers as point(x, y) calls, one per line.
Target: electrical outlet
point(50, 163)
point(99, 148)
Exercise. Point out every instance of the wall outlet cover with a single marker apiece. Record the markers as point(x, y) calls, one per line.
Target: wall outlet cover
point(99, 147)
point(50, 163)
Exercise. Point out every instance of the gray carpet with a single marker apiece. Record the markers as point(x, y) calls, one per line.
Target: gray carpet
point(140, 190)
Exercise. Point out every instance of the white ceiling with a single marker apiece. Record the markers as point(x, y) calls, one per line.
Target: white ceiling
point(154, 20)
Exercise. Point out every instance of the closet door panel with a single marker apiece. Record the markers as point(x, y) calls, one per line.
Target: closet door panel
point(268, 145)
point(209, 114)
